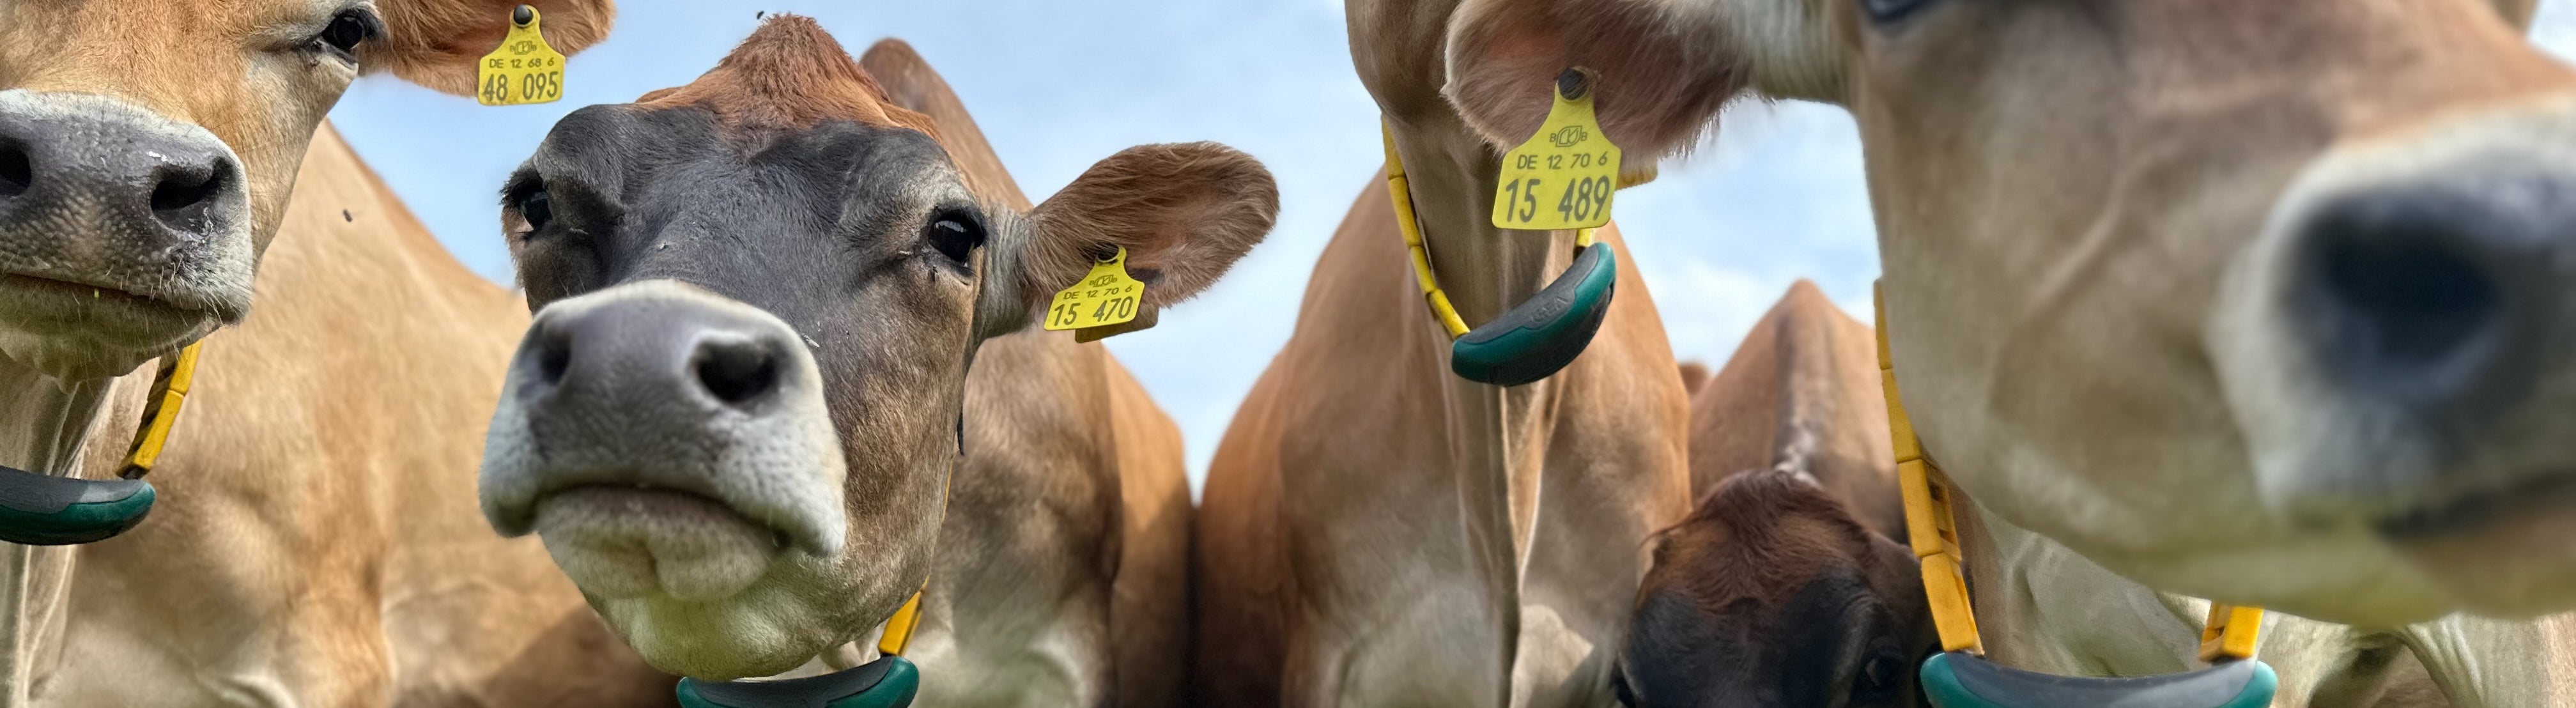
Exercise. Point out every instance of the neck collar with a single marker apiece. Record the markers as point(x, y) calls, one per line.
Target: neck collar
point(57, 509)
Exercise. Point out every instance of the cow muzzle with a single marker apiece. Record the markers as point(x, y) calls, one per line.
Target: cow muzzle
point(664, 441)
point(2399, 348)
point(123, 234)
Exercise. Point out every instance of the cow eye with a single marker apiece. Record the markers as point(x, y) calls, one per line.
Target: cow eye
point(349, 29)
point(537, 207)
point(1885, 11)
point(955, 234)
point(1881, 674)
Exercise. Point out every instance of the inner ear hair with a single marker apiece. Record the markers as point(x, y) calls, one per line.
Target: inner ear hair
point(1185, 212)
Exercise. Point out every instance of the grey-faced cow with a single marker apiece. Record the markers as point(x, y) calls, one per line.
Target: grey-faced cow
point(2252, 301)
point(313, 544)
point(1377, 531)
point(1789, 584)
point(734, 418)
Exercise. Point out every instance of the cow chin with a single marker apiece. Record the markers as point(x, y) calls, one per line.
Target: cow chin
point(782, 618)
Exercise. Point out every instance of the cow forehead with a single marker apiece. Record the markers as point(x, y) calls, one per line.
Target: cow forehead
point(790, 74)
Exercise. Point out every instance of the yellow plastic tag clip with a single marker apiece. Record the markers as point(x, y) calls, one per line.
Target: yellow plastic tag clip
point(524, 69)
point(898, 629)
point(1102, 298)
point(1563, 177)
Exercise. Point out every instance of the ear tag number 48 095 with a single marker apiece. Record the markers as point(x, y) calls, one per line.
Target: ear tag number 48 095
point(1104, 297)
point(1562, 177)
point(523, 69)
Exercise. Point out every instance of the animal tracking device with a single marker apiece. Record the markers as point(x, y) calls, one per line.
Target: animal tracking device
point(45, 510)
point(1960, 676)
point(889, 682)
point(1544, 333)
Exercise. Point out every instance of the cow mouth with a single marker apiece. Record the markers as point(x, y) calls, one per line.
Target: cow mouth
point(56, 301)
point(2479, 512)
point(628, 540)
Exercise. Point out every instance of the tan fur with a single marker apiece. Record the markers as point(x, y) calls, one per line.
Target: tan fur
point(436, 44)
point(1097, 455)
point(317, 539)
point(1330, 567)
point(315, 542)
point(1802, 389)
point(789, 74)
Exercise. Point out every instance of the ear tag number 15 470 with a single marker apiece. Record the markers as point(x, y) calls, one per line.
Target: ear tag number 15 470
point(1106, 296)
point(523, 69)
point(1562, 177)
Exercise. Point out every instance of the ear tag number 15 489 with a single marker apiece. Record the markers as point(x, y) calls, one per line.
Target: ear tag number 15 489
point(1562, 177)
point(1106, 296)
point(523, 69)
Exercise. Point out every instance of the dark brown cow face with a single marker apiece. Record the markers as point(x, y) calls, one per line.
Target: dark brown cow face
point(147, 149)
point(1769, 594)
point(2269, 302)
point(757, 296)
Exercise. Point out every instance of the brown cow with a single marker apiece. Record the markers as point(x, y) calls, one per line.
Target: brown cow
point(314, 544)
point(734, 418)
point(994, 633)
point(2258, 301)
point(1376, 530)
point(1789, 584)
point(2252, 301)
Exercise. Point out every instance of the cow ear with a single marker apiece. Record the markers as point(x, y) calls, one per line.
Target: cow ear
point(435, 43)
point(1185, 213)
point(1665, 68)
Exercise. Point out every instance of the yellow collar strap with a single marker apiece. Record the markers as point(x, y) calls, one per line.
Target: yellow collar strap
point(1397, 190)
point(162, 411)
point(2228, 634)
point(898, 629)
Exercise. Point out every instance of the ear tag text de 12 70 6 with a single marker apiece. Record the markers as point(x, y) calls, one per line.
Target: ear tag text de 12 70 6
point(1102, 298)
point(1561, 178)
point(523, 69)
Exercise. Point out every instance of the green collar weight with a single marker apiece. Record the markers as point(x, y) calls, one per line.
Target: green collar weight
point(889, 682)
point(46, 510)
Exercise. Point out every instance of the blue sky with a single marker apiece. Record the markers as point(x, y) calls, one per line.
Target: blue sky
point(1057, 85)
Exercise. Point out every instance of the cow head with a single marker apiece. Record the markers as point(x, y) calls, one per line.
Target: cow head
point(2263, 301)
point(1770, 594)
point(733, 419)
point(147, 150)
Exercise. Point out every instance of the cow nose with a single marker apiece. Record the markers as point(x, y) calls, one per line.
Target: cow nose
point(2425, 294)
point(142, 184)
point(657, 354)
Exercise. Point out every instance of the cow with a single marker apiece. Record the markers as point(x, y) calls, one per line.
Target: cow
point(2248, 301)
point(758, 299)
point(1028, 460)
point(2319, 385)
point(1790, 583)
point(1377, 531)
point(164, 167)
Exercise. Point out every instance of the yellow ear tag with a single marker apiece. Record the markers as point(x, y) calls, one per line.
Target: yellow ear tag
point(1562, 178)
point(523, 70)
point(1104, 297)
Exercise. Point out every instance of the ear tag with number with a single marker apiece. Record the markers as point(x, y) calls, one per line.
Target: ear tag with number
point(523, 69)
point(1562, 178)
point(1104, 297)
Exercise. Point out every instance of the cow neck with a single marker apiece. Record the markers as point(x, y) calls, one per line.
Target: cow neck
point(2228, 635)
point(1493, 432)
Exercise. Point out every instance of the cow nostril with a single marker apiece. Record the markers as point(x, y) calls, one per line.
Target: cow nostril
point(736, 373)
point(181, 195)
point(17, 171)
point(554, 355)
point(2412, 298)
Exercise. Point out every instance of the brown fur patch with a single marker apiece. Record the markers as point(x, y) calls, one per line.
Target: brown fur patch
point(790, 74)
point(435, 43)
point(1768, 529)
